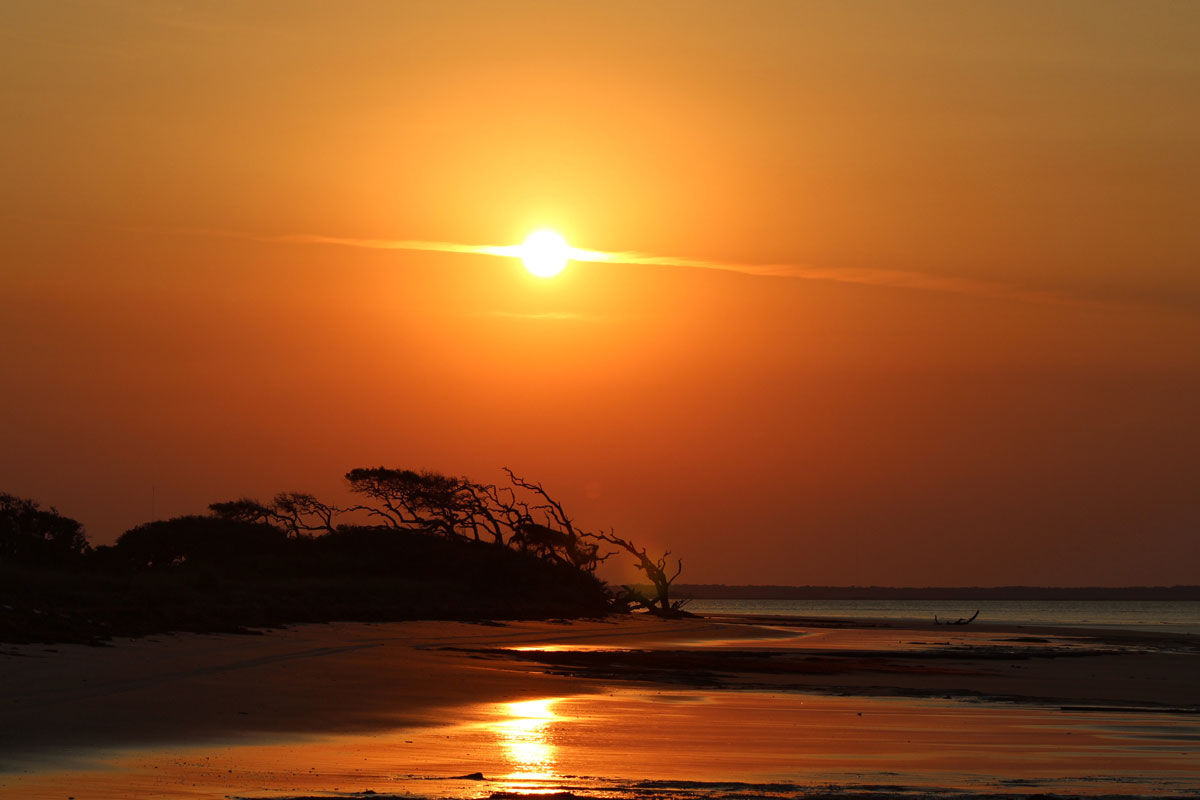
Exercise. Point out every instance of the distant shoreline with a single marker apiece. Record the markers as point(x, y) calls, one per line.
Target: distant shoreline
point(720, 591)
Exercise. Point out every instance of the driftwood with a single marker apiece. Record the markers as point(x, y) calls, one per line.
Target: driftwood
point(959, 621)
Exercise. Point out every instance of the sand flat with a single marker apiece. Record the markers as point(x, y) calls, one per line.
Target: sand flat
point(307, 678)
point(405, 707)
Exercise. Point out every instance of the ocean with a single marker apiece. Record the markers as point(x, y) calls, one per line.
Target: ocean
point(1175, 616)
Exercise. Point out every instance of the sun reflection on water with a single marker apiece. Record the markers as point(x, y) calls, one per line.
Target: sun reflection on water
point(526, 736)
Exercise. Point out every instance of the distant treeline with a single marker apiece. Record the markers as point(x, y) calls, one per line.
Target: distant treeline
point(721, 591)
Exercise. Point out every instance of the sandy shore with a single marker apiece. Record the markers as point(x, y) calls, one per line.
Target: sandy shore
point(1065, 667)
point(333, 678)
point(593, 705)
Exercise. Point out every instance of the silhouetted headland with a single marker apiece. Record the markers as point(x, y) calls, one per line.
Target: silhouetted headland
point(419, 545)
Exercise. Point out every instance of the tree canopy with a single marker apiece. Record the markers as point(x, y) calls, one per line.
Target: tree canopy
point(33, 534)
point(296, 530)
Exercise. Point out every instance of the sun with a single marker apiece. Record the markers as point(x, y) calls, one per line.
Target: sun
point(545, 253)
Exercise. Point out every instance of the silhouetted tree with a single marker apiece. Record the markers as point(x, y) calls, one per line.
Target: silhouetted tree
point(298, 513)
point(449, 505)
point(557, 538)
point(243, 509)
point(408, 500)
point(492, 510)
point(655, 569)
point(30, 533)
point(198, 539)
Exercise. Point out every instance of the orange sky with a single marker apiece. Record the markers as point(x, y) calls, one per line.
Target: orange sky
point(833, 428)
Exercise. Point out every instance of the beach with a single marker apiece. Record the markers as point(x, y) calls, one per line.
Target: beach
point(619, 707)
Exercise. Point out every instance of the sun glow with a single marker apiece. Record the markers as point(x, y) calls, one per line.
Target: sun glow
point(545, 253)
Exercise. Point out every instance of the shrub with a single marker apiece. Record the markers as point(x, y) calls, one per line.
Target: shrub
point(32, 534)
point(198, 540)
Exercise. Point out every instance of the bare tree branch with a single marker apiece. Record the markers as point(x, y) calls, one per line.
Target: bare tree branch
point(655, 570)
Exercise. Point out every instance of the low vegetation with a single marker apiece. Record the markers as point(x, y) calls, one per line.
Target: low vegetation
point(416, 545)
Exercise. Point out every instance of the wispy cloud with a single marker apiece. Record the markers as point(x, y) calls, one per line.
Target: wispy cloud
point(368, 244)
point(563, 315)
point(900, 279)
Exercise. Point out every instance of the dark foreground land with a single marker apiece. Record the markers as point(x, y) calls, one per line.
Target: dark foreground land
point(364, 575)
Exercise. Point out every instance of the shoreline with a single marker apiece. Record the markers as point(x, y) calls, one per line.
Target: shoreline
point(1069, 668)
point(73, 712)
point(1173, 617)
point(311, 678)
point(1114, 633)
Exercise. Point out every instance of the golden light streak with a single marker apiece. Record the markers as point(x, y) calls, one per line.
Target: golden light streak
point(525, 737)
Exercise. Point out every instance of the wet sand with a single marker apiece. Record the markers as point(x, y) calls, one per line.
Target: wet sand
point(1071, 668)
point(633, 707)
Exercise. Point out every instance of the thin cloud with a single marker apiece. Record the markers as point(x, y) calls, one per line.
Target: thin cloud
point(563, 315)
point(899, 279)
point(368, 244)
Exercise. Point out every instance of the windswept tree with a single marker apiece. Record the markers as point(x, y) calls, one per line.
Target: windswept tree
point(298, 513)
point(523, 516)
point(657, 571)
point(244, 509)
point(31, 533)
point(410, 500)
point(303, 514)
point(556, 537)
point(490, 510)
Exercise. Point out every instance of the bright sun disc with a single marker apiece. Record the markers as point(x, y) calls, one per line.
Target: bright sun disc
point(545, 253)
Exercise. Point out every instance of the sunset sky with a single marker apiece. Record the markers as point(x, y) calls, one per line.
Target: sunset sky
point(915, 299)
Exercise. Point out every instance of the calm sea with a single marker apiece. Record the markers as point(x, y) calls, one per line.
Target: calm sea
point(1175, 616)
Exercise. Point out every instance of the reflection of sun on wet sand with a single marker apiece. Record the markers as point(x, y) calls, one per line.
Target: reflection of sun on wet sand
point(524, 737)
point(639, 706)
